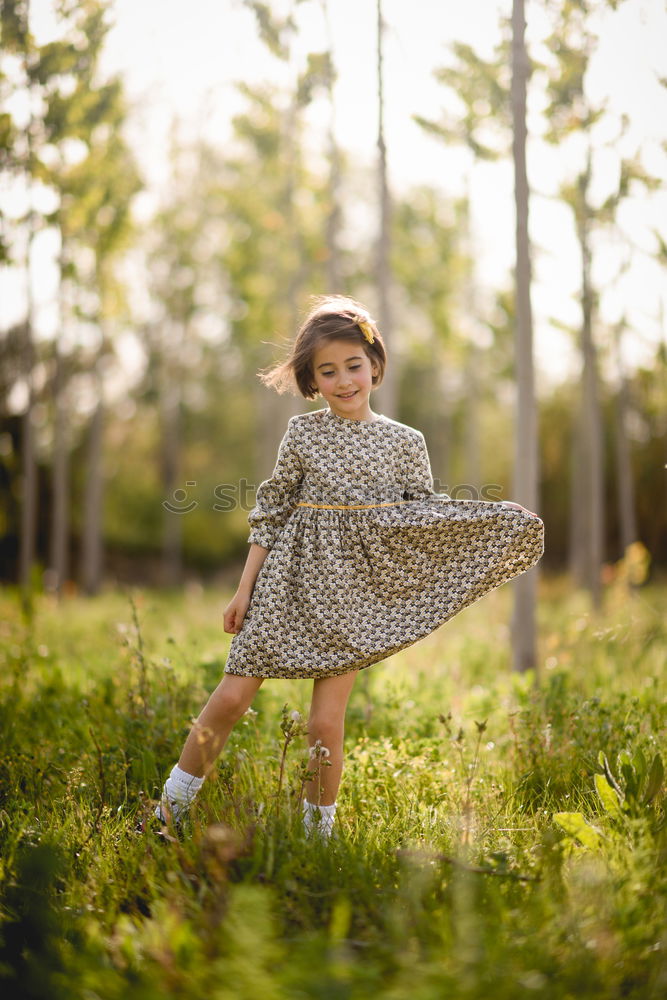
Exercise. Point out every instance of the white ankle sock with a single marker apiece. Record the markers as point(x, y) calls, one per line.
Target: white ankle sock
point(179, 792)
point(323, 825)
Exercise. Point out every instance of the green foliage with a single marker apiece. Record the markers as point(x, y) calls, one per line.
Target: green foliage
point(31, 947)
point(638, 787)
point(519, 855)
point(274, 30)
point(230, 260)
point(638, 796)
point(481, 89)
point(576, 827)
point(15, 28)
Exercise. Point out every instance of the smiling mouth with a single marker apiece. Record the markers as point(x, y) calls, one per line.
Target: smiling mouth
point(348, 395)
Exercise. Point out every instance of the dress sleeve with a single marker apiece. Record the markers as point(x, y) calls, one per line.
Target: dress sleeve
point(419, 476)
point(276, 497)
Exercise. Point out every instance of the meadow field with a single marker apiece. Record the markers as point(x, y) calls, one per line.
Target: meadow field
point(495, 836)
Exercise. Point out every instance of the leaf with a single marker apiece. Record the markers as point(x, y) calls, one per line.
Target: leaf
point(608, 796)
point(655, 779)
point(639, 763)
point(576, 826)
point(631, 782)
point(602, 757)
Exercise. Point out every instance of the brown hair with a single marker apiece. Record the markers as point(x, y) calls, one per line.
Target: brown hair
point(332, 317)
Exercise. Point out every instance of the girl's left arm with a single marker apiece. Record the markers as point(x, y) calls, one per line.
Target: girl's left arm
point(418, 470)
point(420, 482)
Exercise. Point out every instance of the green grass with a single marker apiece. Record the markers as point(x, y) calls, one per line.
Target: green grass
point(477, 853)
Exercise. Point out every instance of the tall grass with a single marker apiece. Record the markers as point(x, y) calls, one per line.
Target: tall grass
point(494, 836)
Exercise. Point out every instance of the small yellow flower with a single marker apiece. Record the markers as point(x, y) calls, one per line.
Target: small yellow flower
point(365, 328)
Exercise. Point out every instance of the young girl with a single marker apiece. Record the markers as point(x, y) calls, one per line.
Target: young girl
point(352, 555)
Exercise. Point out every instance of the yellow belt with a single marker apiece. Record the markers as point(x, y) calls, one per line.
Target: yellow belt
point(350, 506)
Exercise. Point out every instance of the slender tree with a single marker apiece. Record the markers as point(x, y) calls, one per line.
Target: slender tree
point(387, 390)
point(627, 513)
point(60, 516)
point(109, 178)
point(76, 107)
point(334, 215)
point(493, 112)
point(70, 145)
point(19, 159)
point(482, 126)
point(472, 353)
point(177, 263)
point(430, 262)
point(526, 455)
point(279, 35)
point(631, 175)
point(572, 113)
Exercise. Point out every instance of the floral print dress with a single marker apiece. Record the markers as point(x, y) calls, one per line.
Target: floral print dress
point(365, 558)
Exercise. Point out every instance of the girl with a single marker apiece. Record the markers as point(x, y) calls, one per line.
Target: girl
point(352, 555)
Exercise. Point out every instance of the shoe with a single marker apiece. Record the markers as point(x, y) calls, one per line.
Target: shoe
point(157, 825)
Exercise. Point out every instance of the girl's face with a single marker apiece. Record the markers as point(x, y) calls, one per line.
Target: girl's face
point(343, 375)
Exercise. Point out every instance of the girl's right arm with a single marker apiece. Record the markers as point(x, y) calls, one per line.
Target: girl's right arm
point(274, 503)
point(237, 607)
point(276, 497)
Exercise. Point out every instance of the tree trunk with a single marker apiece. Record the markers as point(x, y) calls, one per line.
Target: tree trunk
point(471, 434)
point(91, 554)
point(443, 446)
point(289, 405)
point(592, 466)
point(626, 493)
point(577, 500)
point(171, 464)
point(27, 543)
point(436, 420)
point(387, 391)
point(59, 550)
point(471, 444)
point(333, 269)
point(28, 465)
point(526, 459)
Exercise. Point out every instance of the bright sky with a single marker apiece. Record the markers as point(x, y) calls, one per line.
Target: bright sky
point(181, 61)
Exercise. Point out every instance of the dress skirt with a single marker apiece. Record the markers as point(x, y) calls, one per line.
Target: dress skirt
point(364, 558)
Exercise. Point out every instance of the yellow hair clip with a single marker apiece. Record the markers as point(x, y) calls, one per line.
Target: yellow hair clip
point(365, 328)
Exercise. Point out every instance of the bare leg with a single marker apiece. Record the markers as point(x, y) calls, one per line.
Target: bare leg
point(232, 697)
point(327, 723)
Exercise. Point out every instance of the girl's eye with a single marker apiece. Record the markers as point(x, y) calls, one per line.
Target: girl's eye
point(352, 368)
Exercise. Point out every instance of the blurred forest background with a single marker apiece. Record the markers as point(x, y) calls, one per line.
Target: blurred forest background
point(134, 433)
